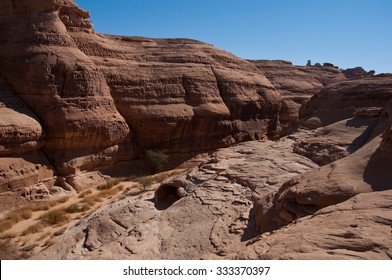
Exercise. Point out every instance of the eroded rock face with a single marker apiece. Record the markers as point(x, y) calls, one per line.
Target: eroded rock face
point(359, 228)
point(174, 94)
point(296, 83)
point(20, 129)
point(338, 140)
point(366, 170)
point(94, 100)
point(23, 178)
point(182, 95)
point(61, 85)
point(341, 100)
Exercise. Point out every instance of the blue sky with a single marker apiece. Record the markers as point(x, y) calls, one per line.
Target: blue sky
point(347, 33)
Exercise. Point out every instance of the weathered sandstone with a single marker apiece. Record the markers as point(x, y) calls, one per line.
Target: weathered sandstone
point(296, 83)
point(359, 228)
point(87, 100)
point(340, 100)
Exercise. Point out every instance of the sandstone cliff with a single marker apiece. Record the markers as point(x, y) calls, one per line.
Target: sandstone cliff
point(90, 100)
point(296, 83)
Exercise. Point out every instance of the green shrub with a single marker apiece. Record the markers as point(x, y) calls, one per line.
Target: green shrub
point(158, 159)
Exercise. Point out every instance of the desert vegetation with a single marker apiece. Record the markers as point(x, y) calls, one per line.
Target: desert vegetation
point(39, 223)
point(158, 159)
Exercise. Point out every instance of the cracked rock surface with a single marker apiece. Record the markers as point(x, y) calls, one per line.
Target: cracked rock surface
point(213, 218)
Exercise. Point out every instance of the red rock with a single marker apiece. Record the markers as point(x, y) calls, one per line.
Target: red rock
point(296, 83)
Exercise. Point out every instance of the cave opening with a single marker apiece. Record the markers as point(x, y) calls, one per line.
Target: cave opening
point(165, 196)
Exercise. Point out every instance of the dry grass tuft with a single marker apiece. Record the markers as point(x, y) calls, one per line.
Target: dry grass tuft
point(63, 199)
point(33, 229)
point(77, 208)
point(49, 242)
point(60, 231)
point(85, 193)
point(8, 236)
point(91, 200)
point(17, 215)
point(104, 193)
point(108, 185)
point(145, 181)
point(5, 225)
point(55, 217)
point(44, 235)
point(14, 217)
point(159, 177)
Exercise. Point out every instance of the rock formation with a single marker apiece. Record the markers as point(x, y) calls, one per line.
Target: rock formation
point(73, 100)
point(357, 73)
point(217, 209)
point(339, 101)
point(94, 100)
point(296, 83)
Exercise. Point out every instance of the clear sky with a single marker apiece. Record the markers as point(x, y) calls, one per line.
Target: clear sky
point(347, 33)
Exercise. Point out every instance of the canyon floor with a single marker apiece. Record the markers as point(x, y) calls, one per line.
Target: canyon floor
point(230, 205)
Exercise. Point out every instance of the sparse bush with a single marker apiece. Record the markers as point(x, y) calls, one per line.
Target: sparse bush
point(17, 215)
point(54, 217)
point(90, 200)
point(14, 217)
point(158, 159)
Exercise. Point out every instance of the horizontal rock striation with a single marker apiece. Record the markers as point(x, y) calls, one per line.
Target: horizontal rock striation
point(296, 83)
point(182, 95)
point(90, 100)
point(61, 85)
point(341, 100)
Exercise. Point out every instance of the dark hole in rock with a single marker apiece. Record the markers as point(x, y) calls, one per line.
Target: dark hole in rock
point(165, 196)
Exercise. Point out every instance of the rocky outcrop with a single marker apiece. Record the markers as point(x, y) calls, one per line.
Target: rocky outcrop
point(62, 86)
point(180, 94)
point(338, 140)
point(296, 83)
point(359, 228)
point(25, 178)
point(364, 171)
point(357, 73)
point(341, 100)
point(20, 129)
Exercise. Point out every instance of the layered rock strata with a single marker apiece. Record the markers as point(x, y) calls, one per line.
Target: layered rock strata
point(341, 100)
point(91, 100)
point(296, 83)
